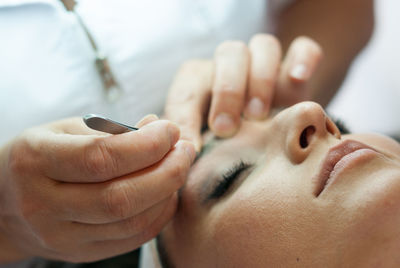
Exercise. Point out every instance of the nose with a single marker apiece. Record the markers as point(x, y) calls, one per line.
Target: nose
point(305, 123)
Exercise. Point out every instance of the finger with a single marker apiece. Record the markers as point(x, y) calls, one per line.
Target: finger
point(75, 158)
point(110, 248)
point(125, 228)
point(265, 51)
point(82, 251)
point(229, 88)
point(188, 99)
point(147, 120)
point(73, 126)
point(302, 59)
point(129, 195)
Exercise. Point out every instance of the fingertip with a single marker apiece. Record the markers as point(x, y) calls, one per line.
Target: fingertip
point(172, 130)
point(300, 73)
point(192, 136)
point(306, 54)
point(224, 125)
point(188, 147)
point(256, 109)
point(147, 120)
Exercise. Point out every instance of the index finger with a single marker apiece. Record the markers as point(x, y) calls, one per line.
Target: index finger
point(129, 195)
point(229, 88)
point(188, 99)
point(95, 158)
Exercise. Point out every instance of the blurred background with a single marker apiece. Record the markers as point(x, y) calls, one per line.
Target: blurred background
point(369, 99)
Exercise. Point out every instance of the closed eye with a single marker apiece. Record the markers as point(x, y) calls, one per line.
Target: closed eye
point(228, 179)
point(341, 126)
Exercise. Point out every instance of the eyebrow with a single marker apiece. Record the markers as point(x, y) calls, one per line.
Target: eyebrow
point(207, 148)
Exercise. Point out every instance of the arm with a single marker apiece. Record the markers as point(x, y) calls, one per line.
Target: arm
point(341, 27)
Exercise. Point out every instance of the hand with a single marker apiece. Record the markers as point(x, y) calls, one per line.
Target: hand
point(75, 194)
point(241, 79)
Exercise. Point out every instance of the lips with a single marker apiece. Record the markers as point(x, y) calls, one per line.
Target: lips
point(339, 158)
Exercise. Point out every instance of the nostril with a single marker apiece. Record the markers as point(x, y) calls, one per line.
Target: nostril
point(306, 135)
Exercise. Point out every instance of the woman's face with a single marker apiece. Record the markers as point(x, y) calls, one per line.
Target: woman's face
point(290, 191)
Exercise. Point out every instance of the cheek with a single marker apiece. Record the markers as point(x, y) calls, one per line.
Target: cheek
point(253, 231)
point(240, 234)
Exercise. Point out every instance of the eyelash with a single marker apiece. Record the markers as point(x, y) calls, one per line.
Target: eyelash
point(228, 178)
point(341, 126)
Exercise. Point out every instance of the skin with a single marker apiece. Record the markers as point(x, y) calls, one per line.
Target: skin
point(71, 193)
point(242, 78)
point(343, 29)
point(272, 218)
point(127, 183)
point(244, 72)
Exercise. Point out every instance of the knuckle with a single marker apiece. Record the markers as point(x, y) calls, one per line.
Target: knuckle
point(269, 83)
point(98, 159)
point(118, 202)
point(194, 65)
point(20, 157)
point(16, 163)
point(182, 99)
point(226, 90)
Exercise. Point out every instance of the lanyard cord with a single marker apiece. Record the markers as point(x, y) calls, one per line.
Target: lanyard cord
point(112, 90)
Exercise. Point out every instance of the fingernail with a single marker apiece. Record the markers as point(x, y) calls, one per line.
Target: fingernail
point(152, 117)
point(299, 72)
point(255, 108)
point(188, 134)
point(224, 124)
point(146, 120)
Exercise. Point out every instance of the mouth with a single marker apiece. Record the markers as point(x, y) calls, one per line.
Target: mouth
point(340, 158)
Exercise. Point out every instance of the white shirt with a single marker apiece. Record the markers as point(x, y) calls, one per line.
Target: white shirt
point(47, 63)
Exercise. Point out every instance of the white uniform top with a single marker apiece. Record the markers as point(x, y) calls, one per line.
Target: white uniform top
point(47, 69)
point(47, 63)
